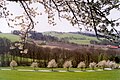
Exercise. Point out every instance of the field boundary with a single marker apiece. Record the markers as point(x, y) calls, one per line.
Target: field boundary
point(30, 70)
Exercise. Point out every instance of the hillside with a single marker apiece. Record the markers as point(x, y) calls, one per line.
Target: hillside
point(69, 37)
point(9, 36)
point(72, 37)
point(59, 40)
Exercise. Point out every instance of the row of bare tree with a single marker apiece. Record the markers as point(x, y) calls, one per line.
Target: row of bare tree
point(44, 55)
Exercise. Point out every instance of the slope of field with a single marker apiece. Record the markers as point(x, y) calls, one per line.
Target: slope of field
point(102, 75)
point(10, 36)
point(74, 38)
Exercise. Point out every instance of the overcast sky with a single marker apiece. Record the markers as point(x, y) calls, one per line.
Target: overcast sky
point(62, 25)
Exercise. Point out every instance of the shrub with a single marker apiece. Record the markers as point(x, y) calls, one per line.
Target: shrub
point(67, 64)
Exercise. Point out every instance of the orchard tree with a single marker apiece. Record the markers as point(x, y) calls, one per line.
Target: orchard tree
point(34, 65)
point(67, 64)
point(113, 65)
point(52, 64)
point(81, 65)
point(102, 64)
point(92, 14)
point(92, 65)
point(13, 64)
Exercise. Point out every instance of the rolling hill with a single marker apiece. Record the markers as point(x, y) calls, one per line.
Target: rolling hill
point(69, 37)
point(74, 40)
point(9, 36)
point(72, 37)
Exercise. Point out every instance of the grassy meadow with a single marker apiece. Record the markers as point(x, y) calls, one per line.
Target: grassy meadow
point(35, 75)
point(9, 36)
point(19, 75)
point(74, 38)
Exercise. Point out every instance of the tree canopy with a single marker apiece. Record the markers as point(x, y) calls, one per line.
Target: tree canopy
point(92, 14)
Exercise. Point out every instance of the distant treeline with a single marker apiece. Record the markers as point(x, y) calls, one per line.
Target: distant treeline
point(48, 38)
point(44, 54)
point(82, 33)
point(103, 41)
point(38, 36)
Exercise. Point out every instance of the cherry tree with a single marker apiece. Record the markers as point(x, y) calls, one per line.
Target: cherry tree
point(102, 64)
point(67, 64)
point(92, 65)
point(81, 65)
point(34, 65)
point(52, 64)
point(112, 65)
point(13, 64)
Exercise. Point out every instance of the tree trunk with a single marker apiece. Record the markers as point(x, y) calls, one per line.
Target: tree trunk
point(67, 69)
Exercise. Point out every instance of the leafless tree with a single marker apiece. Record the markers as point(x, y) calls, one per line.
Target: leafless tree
point(0, 63)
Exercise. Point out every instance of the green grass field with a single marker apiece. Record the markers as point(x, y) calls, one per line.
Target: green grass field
point(80, 41)
point(74, 38)
point(9, 36)
point(100, 75)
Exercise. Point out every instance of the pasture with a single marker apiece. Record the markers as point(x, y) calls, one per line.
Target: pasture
point(74, 38)
point(9, 36)
point(36, 75)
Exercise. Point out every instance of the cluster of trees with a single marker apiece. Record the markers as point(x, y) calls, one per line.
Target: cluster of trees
point(4, 51)
point(44, 55)
point(68, 64)
point(92, 14)
point(37, 36)
point(86, 34)
point(104, 42)
point(4, 45)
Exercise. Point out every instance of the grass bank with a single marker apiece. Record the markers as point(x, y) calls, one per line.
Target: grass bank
point(101, 75)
